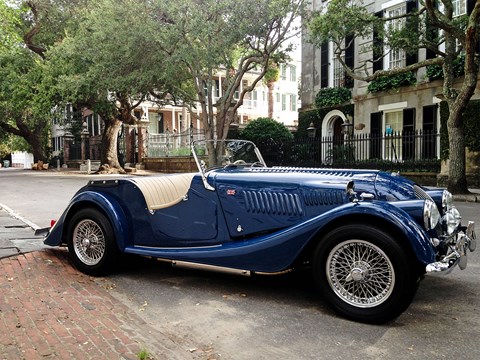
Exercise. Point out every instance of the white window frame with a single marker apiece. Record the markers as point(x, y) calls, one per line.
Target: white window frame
point(293, 73)
point(459, 7)
point(395, 58)
point(390, 109)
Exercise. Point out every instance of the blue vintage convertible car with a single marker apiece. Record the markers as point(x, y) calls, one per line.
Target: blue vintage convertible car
point(368, 236)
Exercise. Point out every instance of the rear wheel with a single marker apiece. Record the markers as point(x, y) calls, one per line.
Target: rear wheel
point(364, 274)
point(91, 242)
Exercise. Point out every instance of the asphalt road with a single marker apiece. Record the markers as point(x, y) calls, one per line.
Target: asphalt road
point(233, 317)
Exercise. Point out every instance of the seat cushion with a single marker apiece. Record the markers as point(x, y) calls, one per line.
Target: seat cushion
point(163, 191)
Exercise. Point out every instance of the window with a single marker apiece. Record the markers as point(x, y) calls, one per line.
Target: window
point(293, 102)
point(283, 71)
point(459, 7)
point(338, 73)
point(153, 123)
point(397, 57)
point(393, 127)
point(293, 73)
point(284, 102)
point(217, 88)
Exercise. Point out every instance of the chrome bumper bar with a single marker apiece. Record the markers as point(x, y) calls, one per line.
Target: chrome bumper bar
point(466, 240)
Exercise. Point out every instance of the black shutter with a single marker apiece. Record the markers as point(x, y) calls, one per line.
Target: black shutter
point(377, 47)
point(324, 60)
point(412, 55)
point(470, 6)
point(349, 59)
point(376, 135)
point(429, 132)
point(408, 135)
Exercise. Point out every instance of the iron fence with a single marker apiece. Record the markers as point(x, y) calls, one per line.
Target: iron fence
point(172, 143)
point(396, 151)
point(402, 151)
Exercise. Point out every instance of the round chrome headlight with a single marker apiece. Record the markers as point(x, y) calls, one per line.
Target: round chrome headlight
point(452, 220)
point(447, 201)
point(431, 215)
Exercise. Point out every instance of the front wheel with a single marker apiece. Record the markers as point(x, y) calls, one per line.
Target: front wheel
point(364, 274)
point(91, 242)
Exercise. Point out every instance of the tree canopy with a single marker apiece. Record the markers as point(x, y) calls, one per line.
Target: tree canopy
point(172, 52)
point(110, 55)
point(27, 97)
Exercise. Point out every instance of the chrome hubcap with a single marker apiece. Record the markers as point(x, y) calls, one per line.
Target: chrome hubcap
point(360, 273)
point(89, 242)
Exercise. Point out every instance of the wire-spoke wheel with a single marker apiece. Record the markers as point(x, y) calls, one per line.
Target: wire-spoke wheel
point(91, 242)
point(360, 273)
point(364, 273)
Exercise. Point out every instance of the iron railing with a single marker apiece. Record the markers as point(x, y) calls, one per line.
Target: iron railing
point(172, 143)
point(397, 151)
point(402, 151)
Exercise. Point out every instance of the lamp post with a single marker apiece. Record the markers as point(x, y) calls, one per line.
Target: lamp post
point(347, 130)
point(84, 135)
point(347, 127)
point(312, 131)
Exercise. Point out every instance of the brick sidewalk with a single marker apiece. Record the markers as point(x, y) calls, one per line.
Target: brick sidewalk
point(50, 310)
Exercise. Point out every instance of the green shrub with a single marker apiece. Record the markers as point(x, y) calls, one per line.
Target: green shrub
point(332, 96)
point(392, 82)
point(263, 129)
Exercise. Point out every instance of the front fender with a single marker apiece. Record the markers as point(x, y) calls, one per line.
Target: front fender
point(398, 220)
point(104, 202)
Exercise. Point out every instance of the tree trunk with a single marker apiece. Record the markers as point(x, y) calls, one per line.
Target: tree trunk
point(457, 180)
point(109, 156)
point(33, 138)
point(35, 141)
point(270, 99)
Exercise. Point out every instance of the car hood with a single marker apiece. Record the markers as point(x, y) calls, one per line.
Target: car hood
point(385, 186)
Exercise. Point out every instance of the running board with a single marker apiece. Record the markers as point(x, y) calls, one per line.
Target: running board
point(196, 266)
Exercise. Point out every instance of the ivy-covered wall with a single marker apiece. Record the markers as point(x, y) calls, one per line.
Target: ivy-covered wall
point(316, 116)
point(471, 125)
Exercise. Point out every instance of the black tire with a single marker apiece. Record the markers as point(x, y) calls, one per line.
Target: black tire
point(364, 274)
point(91, 242)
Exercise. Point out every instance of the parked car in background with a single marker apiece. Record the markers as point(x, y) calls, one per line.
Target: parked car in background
point(368, 236)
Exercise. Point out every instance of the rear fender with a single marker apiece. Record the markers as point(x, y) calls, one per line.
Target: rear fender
point(108, 205)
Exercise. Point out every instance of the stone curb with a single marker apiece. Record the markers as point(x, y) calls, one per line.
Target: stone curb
point(467, 198)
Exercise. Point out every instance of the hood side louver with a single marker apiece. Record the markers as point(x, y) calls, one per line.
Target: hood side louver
point(275, 203)
point(315, 198)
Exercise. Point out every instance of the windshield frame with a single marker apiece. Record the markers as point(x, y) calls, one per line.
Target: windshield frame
point(230, 149)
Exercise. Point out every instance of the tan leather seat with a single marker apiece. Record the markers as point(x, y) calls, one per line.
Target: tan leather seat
point(163, 191)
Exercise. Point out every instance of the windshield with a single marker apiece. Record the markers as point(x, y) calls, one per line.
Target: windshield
point(220, 153)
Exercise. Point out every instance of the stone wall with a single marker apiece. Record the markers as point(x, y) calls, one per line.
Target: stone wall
point(171, 164)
